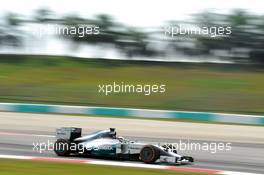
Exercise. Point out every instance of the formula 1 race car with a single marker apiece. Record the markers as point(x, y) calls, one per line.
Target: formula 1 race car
point(105, 144)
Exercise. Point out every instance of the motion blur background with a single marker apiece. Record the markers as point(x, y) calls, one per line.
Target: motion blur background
point(201, 73)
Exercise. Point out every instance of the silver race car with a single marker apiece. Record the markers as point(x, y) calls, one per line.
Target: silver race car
point(105, 144)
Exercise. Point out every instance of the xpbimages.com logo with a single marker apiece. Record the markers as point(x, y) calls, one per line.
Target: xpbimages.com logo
point(145, 89)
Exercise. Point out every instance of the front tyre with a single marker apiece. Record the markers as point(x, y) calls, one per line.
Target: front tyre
point(149, 154)
point(62, 147)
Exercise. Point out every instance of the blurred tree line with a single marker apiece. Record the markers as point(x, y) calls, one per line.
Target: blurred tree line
point(244, 45)
point(8, 31)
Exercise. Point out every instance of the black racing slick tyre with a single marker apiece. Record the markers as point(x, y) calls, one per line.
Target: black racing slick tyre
point(62, 147)
point(149, 154)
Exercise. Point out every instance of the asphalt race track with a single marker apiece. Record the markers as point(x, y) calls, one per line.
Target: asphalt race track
point(18, 132)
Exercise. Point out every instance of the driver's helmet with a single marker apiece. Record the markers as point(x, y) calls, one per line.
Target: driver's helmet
point(112, 133)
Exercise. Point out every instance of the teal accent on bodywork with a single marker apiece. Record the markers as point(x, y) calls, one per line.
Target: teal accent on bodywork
point(33, 108)
point(193, 116)
point(104, 152)
point(110, 111)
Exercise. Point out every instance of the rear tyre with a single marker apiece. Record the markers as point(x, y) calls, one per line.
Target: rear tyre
point(149, 154)
point(62, 147)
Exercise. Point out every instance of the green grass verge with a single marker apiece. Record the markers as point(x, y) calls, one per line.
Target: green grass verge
point(74, 81)
point(22, 167)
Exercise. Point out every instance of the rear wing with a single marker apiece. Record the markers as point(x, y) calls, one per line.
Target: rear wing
point(68, 133)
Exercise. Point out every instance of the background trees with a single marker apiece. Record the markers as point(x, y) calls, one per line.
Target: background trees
point(244, 45)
